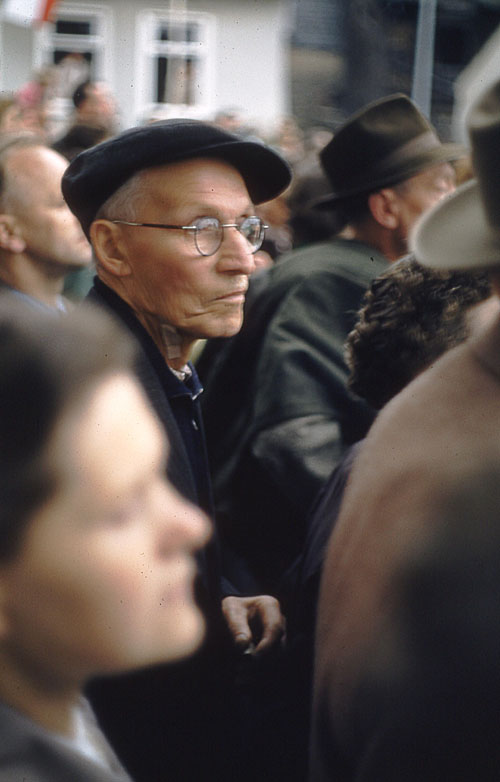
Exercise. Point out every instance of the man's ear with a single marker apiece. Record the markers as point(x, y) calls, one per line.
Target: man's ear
point(11, 240)
point(384, 208)
point(109, 247)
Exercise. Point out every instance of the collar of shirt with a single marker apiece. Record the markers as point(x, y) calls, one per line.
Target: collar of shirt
point(60, 307)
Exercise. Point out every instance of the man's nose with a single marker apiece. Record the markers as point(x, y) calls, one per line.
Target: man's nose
point(235, 253)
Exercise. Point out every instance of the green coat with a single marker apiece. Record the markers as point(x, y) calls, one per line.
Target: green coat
point(277, 412)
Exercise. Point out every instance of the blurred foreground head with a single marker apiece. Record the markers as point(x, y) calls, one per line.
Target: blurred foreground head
point(96, 565)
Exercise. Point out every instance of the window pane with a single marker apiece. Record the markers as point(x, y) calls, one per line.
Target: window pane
point(175, 79)
point(73, 27)
point(161, 79)
point(174, 31)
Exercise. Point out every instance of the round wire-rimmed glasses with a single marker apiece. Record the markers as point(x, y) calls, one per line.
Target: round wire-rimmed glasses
point(208, 232)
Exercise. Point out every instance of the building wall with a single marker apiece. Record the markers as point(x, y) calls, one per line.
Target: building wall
point(252, 65)
point(16, 64)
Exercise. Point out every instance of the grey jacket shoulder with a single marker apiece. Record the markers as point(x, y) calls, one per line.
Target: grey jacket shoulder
point(28, 753)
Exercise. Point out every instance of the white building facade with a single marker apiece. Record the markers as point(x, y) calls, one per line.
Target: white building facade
point(177, 58)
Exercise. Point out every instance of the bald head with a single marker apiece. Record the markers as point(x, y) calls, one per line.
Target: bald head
point(34, 219)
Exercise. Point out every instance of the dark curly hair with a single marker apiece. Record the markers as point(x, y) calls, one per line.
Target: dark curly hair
point(409, 317)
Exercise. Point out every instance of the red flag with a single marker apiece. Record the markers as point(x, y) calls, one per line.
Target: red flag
point(49, 6)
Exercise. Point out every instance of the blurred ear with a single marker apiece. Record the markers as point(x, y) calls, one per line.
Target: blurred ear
point(110, 248)
point(383, 206)
point(11, 240)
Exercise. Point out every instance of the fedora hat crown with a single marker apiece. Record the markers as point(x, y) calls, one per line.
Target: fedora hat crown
point(386, 142)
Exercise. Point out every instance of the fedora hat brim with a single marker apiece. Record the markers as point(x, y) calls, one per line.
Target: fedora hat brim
point(455, 234)
point(443, 153)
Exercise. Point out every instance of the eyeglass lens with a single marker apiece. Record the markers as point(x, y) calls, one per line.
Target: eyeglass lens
point(209, 233)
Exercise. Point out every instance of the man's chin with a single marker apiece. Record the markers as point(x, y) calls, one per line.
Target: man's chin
point(229, 329)
point(216, 327)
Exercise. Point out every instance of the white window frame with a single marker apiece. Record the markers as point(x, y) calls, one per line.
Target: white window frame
point(148, 47)
point(46, 40)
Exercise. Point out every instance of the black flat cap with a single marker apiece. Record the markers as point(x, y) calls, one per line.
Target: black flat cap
point(95, 174)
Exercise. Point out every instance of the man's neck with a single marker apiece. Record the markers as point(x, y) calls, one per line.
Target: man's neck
point(33, 279)
point(381, 239)
point(175, 348)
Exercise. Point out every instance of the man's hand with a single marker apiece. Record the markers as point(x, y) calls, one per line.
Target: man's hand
point(254, 620)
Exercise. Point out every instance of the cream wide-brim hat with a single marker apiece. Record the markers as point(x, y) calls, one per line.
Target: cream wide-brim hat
point(463, 231)
point(455, 233)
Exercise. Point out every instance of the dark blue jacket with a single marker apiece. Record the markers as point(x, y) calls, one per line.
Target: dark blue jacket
point(170, 722)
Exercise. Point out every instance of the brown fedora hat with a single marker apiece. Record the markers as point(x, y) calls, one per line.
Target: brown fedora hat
point(386, 142)
point(463, 230)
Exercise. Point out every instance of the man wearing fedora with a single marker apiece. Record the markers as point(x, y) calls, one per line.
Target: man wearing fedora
point(277, 413)
point(442, 426)
point(169, 211)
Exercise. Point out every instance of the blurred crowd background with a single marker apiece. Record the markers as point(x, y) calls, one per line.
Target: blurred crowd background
point(291, 70)
point(287, 71)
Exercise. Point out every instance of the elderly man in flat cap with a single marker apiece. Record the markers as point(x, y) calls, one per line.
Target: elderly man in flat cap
point(277, 413)
point(442, 425)
point(169, 210)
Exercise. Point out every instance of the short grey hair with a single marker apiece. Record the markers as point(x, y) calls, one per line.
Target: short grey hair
point(124, 202)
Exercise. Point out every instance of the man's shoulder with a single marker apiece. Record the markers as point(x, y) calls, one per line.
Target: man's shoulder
point(103, 297)
point(100, 294)
point(342, 259)
point(428, 436)
point(28, 751)
point(420, 404)
point(149, 365)
point(433, 425)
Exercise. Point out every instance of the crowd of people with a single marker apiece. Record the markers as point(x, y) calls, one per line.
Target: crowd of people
point(249, 519)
